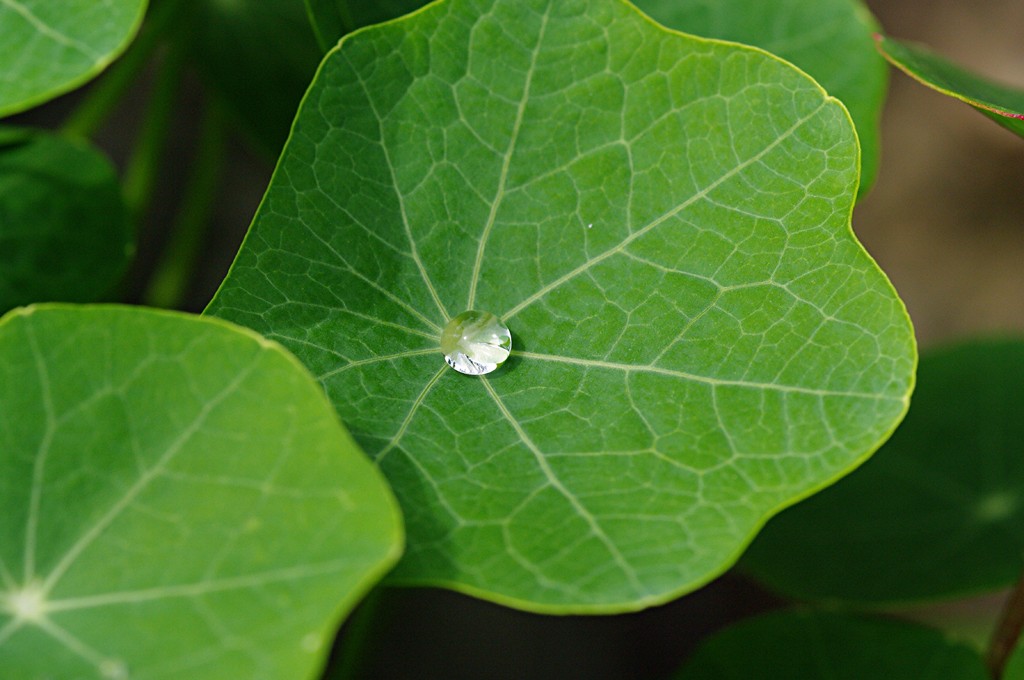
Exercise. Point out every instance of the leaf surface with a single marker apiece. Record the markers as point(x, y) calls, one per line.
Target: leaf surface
point(64, 229)
point(945, 490)
point(52, 47)
point(830, 646)
point(1004, 105)
point(179, 501)
point(662, 221)
point(829, 39)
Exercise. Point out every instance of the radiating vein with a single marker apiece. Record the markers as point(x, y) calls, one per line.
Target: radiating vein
point(556, 482)
point(376, 286)
point(740, 167)
point(173, 449)
point(506, 162)
point(9, 629)
point(401, 198)
point(73, 644)
point(254, 580)
point(409, 416)
point(377, 360)
point(39, 465)
point(707, 380)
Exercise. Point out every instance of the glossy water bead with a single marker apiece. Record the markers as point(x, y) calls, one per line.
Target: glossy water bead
point(475, 342)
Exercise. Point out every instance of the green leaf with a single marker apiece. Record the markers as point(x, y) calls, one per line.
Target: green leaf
point(332, 19)
point(260, 56)
point(1015, 667)
point(938, 512)
point(179, 501)
point(662, 221)
point(830, 646)
point(830, 39)
point(52, 47)
point(1004, 105)
point(64, 229)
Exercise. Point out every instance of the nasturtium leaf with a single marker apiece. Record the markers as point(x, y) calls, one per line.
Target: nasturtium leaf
point(64, 229)
point(1004, 105)
point(259, 55)
point(662, 222)
point(51, 47)
point(179, 501)
point(830, 39)
point(831, 646)
point(332, 19)
point(938, 512)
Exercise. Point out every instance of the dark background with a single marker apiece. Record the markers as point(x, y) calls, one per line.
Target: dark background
point(945, 220)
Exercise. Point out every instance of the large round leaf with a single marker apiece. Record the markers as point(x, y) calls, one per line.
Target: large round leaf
point(178, 499)
point(64, 229)
point(823, 646)
point(938, 512)
point(51, 47)
point(662, 220)
point(830, 39)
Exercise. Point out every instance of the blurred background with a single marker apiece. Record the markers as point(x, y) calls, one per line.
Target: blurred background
point(945, 220)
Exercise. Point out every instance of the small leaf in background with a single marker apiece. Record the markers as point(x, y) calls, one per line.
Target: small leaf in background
point(1015, 668)
point(260, 55)
point(662, 222)
point(791, 645)
point(52, 47)
point(830, 39)
point(64, 229)
point(1004, 105)
point(938, 512)
point(179, 501)
point(332, 19)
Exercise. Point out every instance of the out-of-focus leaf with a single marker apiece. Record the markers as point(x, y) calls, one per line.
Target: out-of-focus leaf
point(821, 646)
point(260, 55)
point(332, 19)
point(64, 229)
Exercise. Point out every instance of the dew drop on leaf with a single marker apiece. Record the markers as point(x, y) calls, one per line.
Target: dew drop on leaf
point(475, 342)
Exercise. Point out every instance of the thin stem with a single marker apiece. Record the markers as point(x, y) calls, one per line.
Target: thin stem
point(351, 654)
point(143, 167)
point(173, 272)
point(1007, 633)
point(89, 115)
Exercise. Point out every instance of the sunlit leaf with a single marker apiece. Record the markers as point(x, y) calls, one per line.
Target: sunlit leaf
point(179, 501)
point(663, 223)
point(51, 47)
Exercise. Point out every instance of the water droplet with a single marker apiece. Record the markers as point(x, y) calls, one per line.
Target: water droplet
point(475, 342)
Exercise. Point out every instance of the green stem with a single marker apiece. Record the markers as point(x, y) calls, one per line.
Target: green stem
point(143, 167)
point(89, 115)
point(351, 657)
point(173, 272)
point(1007, 633)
